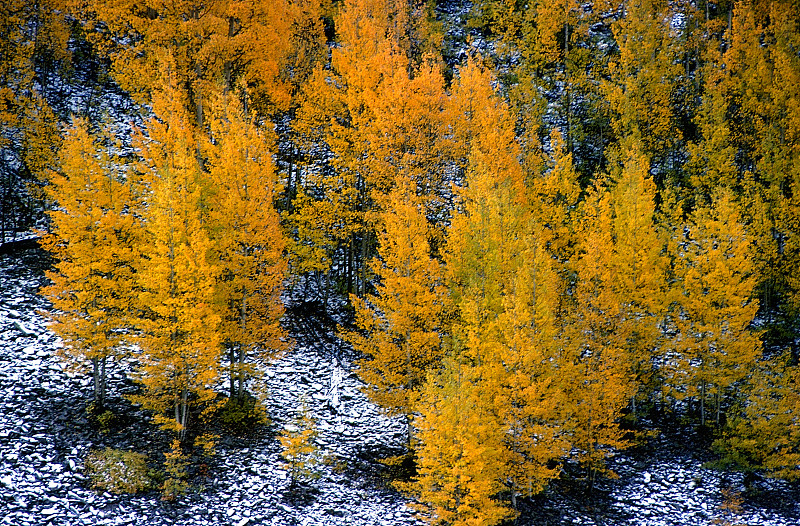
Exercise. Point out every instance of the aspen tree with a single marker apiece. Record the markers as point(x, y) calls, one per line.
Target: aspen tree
point(503, 294)
point(460, 453)
point(763, 435)
point(34, 40)
point(640, 271)
point(179, 325)
point(642, 87)
point(403, 319)
point(376, 111)
point(336, 113)
point(595, 370)
point(554, 202)
point(93, 237)
point(760, 94)
point(299, 448)
point(245, 44)
point(555, 79)
point(248, 243)
point(717, 282)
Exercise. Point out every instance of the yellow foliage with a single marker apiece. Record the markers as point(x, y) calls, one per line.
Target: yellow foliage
point(402, 322)
point(179, 335)
point(93, 236)
point(248, 242)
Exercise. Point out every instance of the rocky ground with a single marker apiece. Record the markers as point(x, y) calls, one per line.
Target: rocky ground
point(45, 437)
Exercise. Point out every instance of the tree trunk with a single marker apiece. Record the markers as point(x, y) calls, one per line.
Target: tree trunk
point(96, 377)
point(242, 355)
point(184, 421)
point(231, 371)
point(364, 250)
point(703, 403)
point(102, 398)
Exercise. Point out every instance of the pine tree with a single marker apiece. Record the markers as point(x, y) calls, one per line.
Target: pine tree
point(93, 237)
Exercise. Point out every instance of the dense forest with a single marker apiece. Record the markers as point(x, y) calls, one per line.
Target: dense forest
point(560, 225)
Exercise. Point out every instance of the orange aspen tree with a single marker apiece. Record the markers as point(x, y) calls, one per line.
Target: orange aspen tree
point(259, 47)
point(374, 111)
point(717, 346)
point(596, 374)
point(93, 236)
point(179, 336)
point(640, 272)
point(402, 322)
point(503, 294)
point(763, 433)
point(460, 457)
point(248, 243)
point(642, 88)
point(33, 46)
point(750, 119)
point(554, 201)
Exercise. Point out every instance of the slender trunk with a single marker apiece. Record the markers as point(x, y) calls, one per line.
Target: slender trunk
point(198, 108)
point(102, 399)
point(703, 403)
point(96, 378)
point(242, 355)
point(288, 200)
point(231, 371)
point(350, 258)
point(184, 412)
point(177, 403)
point(364, 249)
point(242, 349)
point(327, 289)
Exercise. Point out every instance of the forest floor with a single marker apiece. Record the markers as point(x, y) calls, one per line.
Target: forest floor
point(45, 436)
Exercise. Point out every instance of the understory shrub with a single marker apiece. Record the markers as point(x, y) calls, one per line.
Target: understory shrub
point(118, 471)
point(241, 416)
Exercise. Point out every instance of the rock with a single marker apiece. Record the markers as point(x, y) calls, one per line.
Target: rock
point(22, 329)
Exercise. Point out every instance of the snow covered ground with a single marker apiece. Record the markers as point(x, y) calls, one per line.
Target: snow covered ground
point(44, 438)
